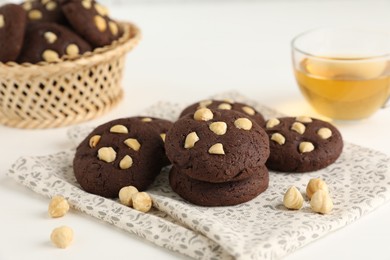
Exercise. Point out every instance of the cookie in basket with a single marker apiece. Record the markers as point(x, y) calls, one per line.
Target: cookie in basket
point(219, 194)
point(119, 153)
point(12, 27)
point(91, 20)
point(49, 42)
point(44, 11)
point(226, 105)
point(302, 144)
point(215, 145)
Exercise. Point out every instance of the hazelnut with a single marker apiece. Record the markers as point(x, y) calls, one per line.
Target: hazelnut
point(50, 56)
point(205, 103)
point(2, 22)
point(298, 127)
point(216, 149)
point(58, 207)
point(315, 185)
point(228, 100)
point(250, 111)
point(293, 198)
point(94, 140)
point(146, 119)
point(125, 195)
point(321, 202)
point(27, 6)
point(113, 28)
point(50, 6)
point(62, 236)
point(35, 14)
point(243, 123)
point(142, 201)
point(107, 154)
point(191, 139)
point(133, 144)
point(306, 147)
point(280, 139)
point(100, 23)
point(304, 119)
point(72, 50)
point(86, 4)
point(103, 11)
point(163, 136)
point(225, 106)
point(272, 122)
point(50, 37)
point(324, 132)
point(119, 129)
point(219, 128)
point(203, 114)
point(126, 162)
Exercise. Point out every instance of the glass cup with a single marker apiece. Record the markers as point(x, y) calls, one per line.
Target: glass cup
point(344, 73)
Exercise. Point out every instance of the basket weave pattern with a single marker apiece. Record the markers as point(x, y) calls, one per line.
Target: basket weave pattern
point(58, 94)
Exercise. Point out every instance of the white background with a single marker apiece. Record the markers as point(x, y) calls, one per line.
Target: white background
point(189, 51)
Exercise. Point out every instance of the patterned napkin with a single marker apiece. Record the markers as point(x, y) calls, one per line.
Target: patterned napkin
point(359, 182)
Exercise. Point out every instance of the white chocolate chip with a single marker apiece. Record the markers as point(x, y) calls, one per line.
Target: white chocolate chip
point(191, 139)
point(126, 162)
point(304, 119)
point(50, 56)
point(126, 194)
point(219, 128)
point(94, 140)
point(100, 23)
point(163, 135)
point(203, 114)
point(243, 123)
point(250, 111)
point(2, 22)
point(216, 149)
point(107, 154)
point(324, 133)
point(280, 139)
point(86, 4)
point(272, 122)
point(133, 144)
point(35, 14)
point(50, 37)
point(306, 147)
point(101, 9)
point(72, 50)
point(205, 103)
point(298, 127)
point(51, 6)
point(146, 119)
point(113, 27)
point(225, 106)
point(119, 129)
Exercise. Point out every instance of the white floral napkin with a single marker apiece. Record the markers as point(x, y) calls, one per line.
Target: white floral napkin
point(359, 182)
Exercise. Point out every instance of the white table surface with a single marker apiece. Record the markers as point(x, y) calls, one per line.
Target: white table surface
point(190, 51)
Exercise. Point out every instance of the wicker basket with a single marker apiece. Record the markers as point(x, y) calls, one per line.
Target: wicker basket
point(47, 95)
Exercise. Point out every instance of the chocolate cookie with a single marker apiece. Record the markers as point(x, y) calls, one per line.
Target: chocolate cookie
point(44, 11)
point(12, 27)
point(90, 20)
point(226, 105)
point(216, 145)
point(119, 153)
point(219, 194)
point(302, 144)
point(49, 42)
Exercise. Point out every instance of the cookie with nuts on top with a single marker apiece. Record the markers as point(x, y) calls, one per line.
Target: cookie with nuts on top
point(226, 104)
point(44, 11)
point(302, 144)
point(219, 194)
point(215, 145)
point(119, 153)
point(12, 27)
point(49, 42)
point(91, 20)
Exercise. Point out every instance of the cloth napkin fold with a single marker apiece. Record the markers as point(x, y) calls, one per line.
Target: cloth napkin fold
point(359, 182)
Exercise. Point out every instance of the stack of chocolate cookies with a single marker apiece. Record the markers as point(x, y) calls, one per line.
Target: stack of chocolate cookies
point(218, 157)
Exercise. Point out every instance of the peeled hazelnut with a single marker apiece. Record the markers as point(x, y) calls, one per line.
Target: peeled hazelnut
point(50, 6)
point(304, 119)
point(72, 50)
point(142, 201)
point(216, 149)
point(243, 123)
point(321, 202)
point(191, 139)
point(133, 144)
point(50, 56)
point(126, 162)
point(2, 22)
point(248, 110)
point(35, 14)
point(100, 23)
point(298, 127)
point(120, 129)
point(219, 128)
point(107, 154)
point(225, 106)
point(205, 103)
point(203, 114)
point(272, 122)
point(113, 27)
point(103, 11)
point(315, 185)
point(163, 135)
point(324, 133)
point(94, 140)
point(86, 4)
point(50, 37)
point(293, 198)
point(125, 195)
point(146, 119)
point(62, 236)
point(58, 207)
point(228, 100)
point(280, 139)
point(306, 147)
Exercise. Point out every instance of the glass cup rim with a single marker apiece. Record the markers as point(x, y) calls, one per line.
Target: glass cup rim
point(316, 56)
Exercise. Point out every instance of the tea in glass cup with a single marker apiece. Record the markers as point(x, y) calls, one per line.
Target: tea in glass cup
point(344, 73)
